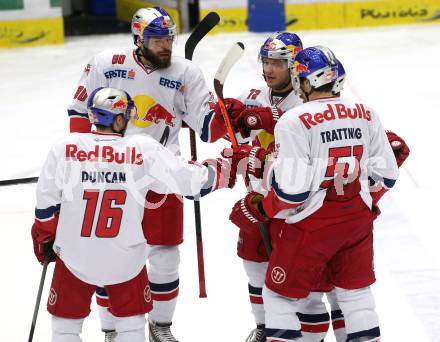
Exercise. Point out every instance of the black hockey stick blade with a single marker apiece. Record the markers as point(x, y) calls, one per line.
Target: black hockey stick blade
point(233, 55)
point(201, 30)
point(19, 181)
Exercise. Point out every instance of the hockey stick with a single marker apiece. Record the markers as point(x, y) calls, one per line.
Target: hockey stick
point(206, 25)
point(225, 66)
point(47, 257)
point(19, 181)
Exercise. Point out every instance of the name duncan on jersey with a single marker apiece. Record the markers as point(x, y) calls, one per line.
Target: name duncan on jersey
point(104, 153)
point(103, 177)
point(335, 111)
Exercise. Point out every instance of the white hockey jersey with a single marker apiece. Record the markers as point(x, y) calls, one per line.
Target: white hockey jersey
point(163, 97)
point(263, 96)
point(323, 144)
point(100, 181)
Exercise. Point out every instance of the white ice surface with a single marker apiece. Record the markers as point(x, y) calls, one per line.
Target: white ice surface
point(396, 70)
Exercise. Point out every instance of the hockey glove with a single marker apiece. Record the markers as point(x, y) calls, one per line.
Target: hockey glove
point(225, 175)
point(246, 159)
point(257, 118)
point(399, 146)
point(217, 127)
point(248, 212)
point(233, 106)
point(43, 234)
point(44, 251)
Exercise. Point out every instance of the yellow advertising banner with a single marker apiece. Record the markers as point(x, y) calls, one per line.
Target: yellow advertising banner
point(31, 32)
point(30, 23)
point(303, 15)
point(231, 19)
point(357, 14)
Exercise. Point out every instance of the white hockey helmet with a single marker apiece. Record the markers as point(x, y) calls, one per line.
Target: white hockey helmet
point(152, 22)
point(104, 104)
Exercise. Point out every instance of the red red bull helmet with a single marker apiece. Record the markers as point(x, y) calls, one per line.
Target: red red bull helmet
point(104, 104)
point(152, 22)
point(318, 64)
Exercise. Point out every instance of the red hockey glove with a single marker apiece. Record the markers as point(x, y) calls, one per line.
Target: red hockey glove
point(218, 127)
point(247, 159)
point(257, 118)
point(247, 212)
point(43, 235)
point(225, 174)
point(233, 106)
point(399, 146)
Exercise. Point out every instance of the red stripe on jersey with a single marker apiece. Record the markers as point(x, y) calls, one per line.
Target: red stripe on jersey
point(163, 297)
point(102, 301)
point(256, 300)
point(315, 328)
point(339, 324)
point(80, 125)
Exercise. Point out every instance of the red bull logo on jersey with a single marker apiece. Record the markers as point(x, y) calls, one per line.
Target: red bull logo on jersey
point(104, 153)
point(333, 112)
point(158, 113)
point(149, 112)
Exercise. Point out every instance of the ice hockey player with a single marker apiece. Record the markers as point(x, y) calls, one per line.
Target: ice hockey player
point(264, 105)
point(168, 91)
point(90, 201)
point(328, 153)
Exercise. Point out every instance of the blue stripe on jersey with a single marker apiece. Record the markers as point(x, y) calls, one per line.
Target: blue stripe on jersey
point(372, 333)
point(283, 334)
point(256, 291)
point(72, 112)
point(313, 318)
point(337, 314)
point(297, 198)
point(389, 183)
point(167, 287)
point(206, 126)
point(43, 214)
point(100, 291)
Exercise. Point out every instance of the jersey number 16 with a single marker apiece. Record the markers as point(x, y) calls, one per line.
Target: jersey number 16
point(109, 217)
